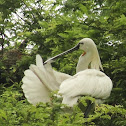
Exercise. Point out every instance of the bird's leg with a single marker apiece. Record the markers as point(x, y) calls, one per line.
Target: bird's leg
point(86, 110)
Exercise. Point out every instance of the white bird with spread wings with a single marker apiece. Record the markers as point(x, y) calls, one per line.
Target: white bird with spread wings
point(40, 79)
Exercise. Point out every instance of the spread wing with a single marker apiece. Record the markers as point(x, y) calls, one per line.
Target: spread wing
point(33, 86)
point(40, 80)
point(35, 91)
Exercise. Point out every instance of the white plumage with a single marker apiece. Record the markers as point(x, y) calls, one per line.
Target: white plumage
point(90, 56)
point(34, 89)
point(89, 82)
point(41, 79)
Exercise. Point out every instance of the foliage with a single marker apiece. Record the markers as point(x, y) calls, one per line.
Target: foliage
point(51, 27)
point(12, 67)
point(19, 112)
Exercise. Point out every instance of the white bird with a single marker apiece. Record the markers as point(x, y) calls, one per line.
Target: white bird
point(41, 79)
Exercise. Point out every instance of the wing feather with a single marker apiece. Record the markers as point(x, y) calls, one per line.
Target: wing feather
point(33, 88)
point(45, 78)
point(40, 80)
point(88, 82)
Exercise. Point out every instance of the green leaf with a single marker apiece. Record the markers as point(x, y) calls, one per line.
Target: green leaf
point(3, 115)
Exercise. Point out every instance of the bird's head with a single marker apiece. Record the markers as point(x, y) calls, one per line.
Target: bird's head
point(87, 45)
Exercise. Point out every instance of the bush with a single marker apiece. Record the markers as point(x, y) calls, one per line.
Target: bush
point(15, 110)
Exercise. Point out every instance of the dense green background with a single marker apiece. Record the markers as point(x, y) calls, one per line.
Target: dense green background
point(52, 27)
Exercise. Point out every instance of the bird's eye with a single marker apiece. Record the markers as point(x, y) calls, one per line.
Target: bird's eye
point(81, 43)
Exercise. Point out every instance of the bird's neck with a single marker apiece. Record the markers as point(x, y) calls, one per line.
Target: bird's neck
point(84, 61)
point(90, 59)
